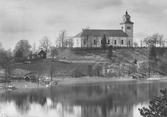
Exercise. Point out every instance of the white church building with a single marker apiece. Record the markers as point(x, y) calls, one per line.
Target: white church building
point(92, 37)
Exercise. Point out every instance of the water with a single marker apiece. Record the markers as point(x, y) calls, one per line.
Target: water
point(118, 99)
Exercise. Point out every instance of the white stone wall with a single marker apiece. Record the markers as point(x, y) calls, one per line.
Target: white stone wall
point(77, 42)
point(90, 42)
point(129, 32)
point(96, 41)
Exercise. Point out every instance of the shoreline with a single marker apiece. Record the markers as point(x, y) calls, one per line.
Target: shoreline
point(81, 81)
point(102, 80)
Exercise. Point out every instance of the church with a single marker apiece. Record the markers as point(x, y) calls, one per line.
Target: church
point(122, 37)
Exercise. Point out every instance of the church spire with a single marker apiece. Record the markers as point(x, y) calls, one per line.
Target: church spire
point(126, 12)
point(127, 18)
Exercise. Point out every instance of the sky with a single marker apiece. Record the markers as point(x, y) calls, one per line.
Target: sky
point(34, 19)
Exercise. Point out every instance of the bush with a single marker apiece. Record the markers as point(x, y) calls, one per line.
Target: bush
point(157, 107)
point(97, 70)
point(77, 73)
point(110, 52)
point(90, 70)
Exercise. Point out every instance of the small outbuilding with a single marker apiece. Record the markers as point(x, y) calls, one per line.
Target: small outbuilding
point(42, 54)
point(37, 54)
point(29, 78)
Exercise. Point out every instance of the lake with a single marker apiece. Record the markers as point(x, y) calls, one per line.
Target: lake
point(116, 99)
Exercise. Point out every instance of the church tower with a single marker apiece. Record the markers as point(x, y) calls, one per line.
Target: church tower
point(127, 27)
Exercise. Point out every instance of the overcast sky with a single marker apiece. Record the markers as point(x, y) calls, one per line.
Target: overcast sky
point(34, 19)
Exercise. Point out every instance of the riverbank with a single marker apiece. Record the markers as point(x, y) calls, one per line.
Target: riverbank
point(81, 81)
point(90, 80)
point(102, 80)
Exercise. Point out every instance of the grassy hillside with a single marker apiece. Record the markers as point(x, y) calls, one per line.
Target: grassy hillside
point(119, 55)
point(85, 58)
point(60, 68)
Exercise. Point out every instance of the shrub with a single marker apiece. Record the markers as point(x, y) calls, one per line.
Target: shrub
point(77, 73)
point(90, 70)
point(110, 52)
point(157, 107)
point(97, 70)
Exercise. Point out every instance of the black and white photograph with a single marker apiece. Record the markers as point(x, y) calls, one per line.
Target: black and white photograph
point(83, 58)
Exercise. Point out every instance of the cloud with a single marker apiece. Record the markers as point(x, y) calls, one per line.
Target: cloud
point(13, 22)
point(58, 19)
point(146, 7)
point(101, 4)
point(14, 27)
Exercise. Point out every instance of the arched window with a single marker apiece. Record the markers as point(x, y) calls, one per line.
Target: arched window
point(94, 42)
point(108, 41)
point(115, 42)
point(122, 42)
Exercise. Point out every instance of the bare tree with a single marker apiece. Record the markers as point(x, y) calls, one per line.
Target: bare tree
point(146, 41)
point(154, 40)
point(141, 43)
point(62, 37)
point(135, 44)
point(45, 43)
point(6, 60)
point(68, 42)
point(54, 51)
point(164, 42)
point(87, 37)
point(161, 40)
point(34, 46)
point(58, 44)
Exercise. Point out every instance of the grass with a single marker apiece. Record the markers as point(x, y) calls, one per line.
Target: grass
point(124, 55)
point(60, 68)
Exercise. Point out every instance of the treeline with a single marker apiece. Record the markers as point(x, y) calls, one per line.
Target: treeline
point(23, 49)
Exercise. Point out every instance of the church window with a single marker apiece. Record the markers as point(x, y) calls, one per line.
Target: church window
point(128, 27)
point(108, 41)
point(94, 42)
point(115, 42)
point(122, 42)
point(122, 27)
point(84, 41)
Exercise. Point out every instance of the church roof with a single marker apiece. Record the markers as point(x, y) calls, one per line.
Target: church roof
point(37, 51)
point(99, 33)
point(78, 35)
point(127, 19)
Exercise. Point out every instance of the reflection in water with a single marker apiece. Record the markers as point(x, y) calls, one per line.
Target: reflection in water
point(113, 100)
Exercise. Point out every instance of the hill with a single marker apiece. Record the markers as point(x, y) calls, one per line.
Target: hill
point(78, 62)
point(97, 55)
point(93, 62)
point(60, 68)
